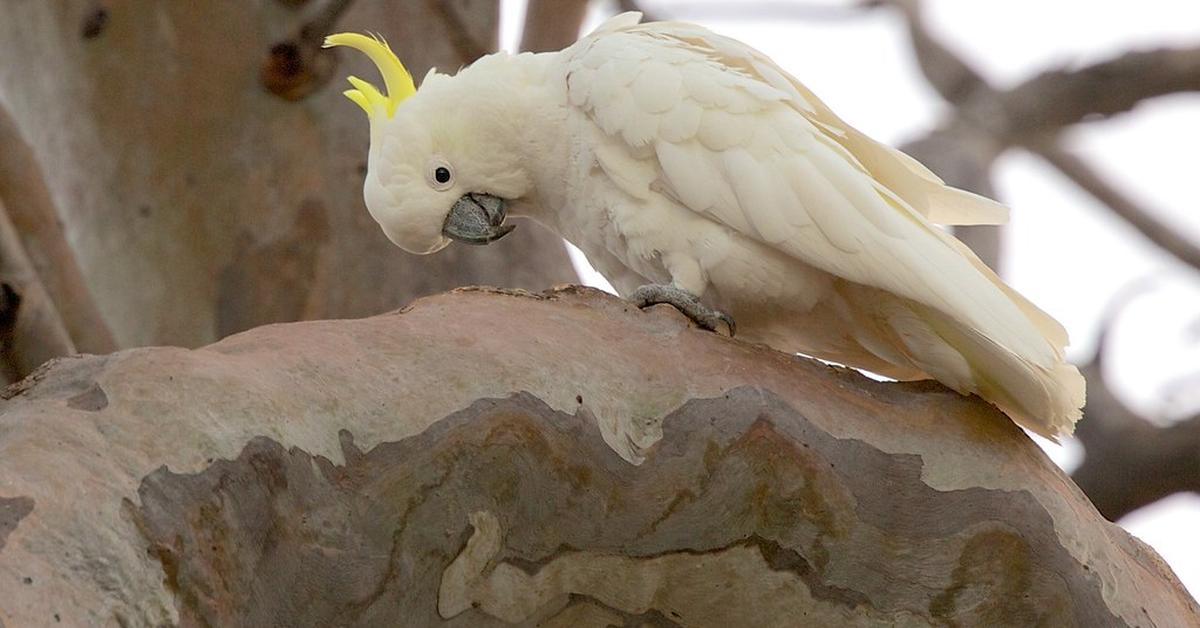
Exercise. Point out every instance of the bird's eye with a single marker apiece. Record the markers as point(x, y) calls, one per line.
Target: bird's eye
point(440, 175)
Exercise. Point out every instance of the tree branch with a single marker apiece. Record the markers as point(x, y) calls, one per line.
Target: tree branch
point(31, 328)
point(1130, 462)
point(313, 32)
point(949, 74)
point(468, 47)
point(39, 233)
point(552, 24)
point(1138, 464)
point(1078, 171)
point(1054, 99)
point(1025, 114)
point(1059, 98)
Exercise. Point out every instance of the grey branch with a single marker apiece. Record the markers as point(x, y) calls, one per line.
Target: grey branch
point(1059, 98)
point(1040, 107)
point(1077, 170)
point(39, 232)
point(1129, 461)
point(460, 33)
point(31, 328)
point(552, 24)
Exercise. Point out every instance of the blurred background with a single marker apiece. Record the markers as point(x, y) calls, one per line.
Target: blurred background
point(175, 172)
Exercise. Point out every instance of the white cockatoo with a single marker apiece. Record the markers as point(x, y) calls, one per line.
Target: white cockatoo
point(687, 166)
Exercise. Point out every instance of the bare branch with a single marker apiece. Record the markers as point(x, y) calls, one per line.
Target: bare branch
point(1060, 98)
point(31, 329)
point(552, 24)
point(1083, 175)
point(1130, 462)
point(953, 78)
point(35, 221)
point(312, 33)
point(1053, 99)
point(1139, 464)
point(465, 42)
point(1050, 101)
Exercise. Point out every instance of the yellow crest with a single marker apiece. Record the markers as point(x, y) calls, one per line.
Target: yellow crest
point(398, 81)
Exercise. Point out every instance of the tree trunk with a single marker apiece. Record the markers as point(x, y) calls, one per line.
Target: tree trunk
point(198, 202)
point(552, 25)
point(487, 458)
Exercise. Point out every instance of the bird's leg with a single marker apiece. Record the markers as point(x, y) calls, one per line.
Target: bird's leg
point(684, 301)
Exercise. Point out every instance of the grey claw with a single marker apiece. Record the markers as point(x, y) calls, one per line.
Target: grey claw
point(684, 301)
point(728, 323)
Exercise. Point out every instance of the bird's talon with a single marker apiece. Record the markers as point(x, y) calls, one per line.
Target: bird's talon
point(687, 303)
point(729, 323)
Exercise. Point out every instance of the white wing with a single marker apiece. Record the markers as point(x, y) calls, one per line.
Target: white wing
point(730, 135)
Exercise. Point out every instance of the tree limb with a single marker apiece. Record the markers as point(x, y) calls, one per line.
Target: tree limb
point(661, 477)
point(40, 233)
point(31, 328)
point(1053, 99)
point(552, 24)
point(1130, 462)
point(1078, 171)
point(1059, 98)
point(313, 32)
point(1138, 464)
point(468, 46)
point(1048, 102)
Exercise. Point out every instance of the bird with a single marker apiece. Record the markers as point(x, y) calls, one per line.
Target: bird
point(691, 169)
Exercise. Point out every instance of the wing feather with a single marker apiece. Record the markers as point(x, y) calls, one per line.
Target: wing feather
point(736, 138)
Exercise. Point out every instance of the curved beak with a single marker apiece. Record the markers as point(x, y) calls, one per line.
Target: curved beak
point(476, 219)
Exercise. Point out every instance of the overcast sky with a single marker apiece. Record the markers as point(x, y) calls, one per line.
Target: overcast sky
point(1063, 251)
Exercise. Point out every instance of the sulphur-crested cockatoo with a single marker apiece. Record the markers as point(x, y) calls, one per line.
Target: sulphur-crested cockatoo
point(687, 165)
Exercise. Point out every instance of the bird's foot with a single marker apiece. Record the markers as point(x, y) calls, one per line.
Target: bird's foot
point(687, 303)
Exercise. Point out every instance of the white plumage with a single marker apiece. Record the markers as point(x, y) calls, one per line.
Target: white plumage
point(671, 154)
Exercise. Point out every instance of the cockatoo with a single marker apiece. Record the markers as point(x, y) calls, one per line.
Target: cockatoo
point(688, 166)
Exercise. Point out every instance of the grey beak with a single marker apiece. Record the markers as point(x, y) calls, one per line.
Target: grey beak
point(476, 219)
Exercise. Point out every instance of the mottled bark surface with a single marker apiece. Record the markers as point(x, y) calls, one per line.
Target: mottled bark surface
point(488, 458)
point(197, 202)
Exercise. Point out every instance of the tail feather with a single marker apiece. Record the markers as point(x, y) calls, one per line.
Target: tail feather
point(1047, 400)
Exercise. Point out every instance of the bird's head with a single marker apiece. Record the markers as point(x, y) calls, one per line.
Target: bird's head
point(436, 171)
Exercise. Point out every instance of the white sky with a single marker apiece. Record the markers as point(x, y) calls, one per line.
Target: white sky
point(1063, 251)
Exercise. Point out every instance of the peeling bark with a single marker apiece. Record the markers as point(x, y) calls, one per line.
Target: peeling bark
point(502, 458)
